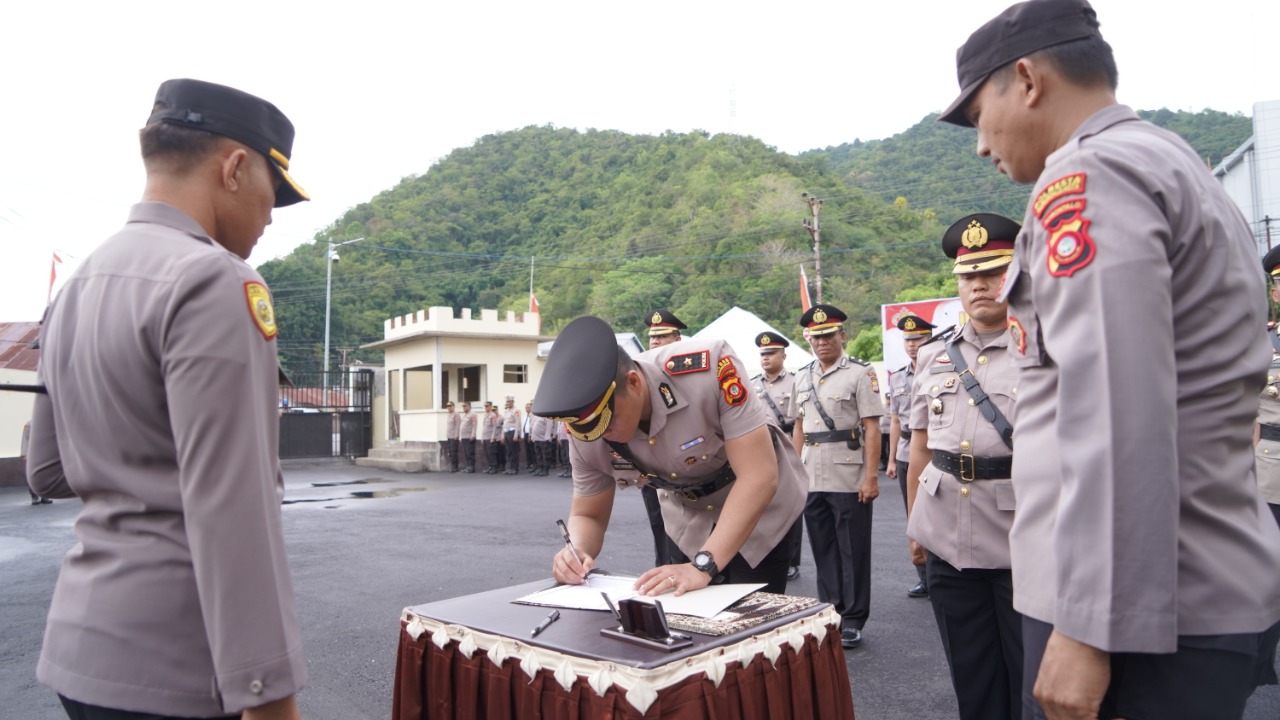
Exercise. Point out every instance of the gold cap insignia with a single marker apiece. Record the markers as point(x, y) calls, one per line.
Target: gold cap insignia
point(657, 318)
point(766, 340)
point(819, 316)
point(909, 324)
point(975, 235)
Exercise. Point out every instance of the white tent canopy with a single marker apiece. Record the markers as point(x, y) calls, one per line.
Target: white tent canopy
point(740, 327)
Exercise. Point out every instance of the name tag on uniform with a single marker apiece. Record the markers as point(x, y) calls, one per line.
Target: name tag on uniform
point(623, 466)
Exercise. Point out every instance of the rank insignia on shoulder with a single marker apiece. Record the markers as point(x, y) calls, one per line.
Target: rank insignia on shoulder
point(260, 309)
point(689, 363)
point(668, 398)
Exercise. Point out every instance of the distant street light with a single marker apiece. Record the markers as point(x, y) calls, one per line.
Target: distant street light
point(330, 257)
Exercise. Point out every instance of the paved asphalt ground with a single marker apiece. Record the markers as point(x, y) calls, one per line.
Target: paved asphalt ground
point(364, 544)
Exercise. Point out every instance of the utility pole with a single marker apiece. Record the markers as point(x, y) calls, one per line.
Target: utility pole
point(330, 257)
point(815, 206)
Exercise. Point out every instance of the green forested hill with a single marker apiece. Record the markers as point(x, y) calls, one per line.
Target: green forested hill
point(617, 224)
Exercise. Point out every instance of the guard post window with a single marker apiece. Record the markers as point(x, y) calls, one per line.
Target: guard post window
point(515, 373)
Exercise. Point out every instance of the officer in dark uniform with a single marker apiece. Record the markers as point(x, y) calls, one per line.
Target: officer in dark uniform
point(683, 419)
point(775, 385)
point(915, 331)
point(664, 328)
point(838, 407)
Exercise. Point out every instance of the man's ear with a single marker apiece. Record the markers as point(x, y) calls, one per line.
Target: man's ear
point(231, 168)
point(1029, 79)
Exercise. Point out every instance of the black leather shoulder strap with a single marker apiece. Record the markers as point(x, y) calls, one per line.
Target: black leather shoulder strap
point(980, 398)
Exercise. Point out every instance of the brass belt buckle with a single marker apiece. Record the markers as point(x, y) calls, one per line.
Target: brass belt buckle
point(972, 469)
point(687, 495)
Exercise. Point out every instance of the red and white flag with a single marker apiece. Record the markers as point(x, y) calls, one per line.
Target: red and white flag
point(53, 275)
point(533, 303)
point(805, 302)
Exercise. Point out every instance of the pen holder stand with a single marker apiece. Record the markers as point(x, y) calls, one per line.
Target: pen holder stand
point(645, 624)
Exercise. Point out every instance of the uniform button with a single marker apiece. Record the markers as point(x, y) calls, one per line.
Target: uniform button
point(710, 508)
point(822, 381)
point(255, 687)
point(970, 402)
point(704, 457)
point(653, 440)
point(982, 359)
point(674, 476)
point(1266, 452)
point(1015, 391)
point(934, 389)
point(964, 445)
point(964, 492)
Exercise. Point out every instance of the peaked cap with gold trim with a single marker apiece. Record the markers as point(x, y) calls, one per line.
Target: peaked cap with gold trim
point(1271, 263)
point(232, 113)
point(663, 322)
point(914, 326)
point(577, 383)
point(769, 341)
point(980, 242)
point(822, 320)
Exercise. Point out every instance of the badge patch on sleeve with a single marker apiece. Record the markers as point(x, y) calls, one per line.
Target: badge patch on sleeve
point(264, 315)
point(875, 382)
point(1017, 335)
point(735, 393)
point(1069, 185)
point(689, 363)
point(1070, 247)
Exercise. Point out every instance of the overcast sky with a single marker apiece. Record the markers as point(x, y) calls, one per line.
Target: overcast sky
point(381, 90)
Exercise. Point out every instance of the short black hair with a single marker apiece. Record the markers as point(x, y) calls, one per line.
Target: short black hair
point(625, 365)
point(181, 147)
point(1085, 62)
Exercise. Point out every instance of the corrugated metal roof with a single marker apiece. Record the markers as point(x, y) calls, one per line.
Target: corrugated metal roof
point(15, 342)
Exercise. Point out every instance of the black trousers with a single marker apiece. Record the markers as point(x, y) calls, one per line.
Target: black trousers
point(530, 456)
point(772, 570)
point(795, 537)
point(664, 549)
point(1209, 676)
point(512, 448)
point(80, 711)
point(468, 454)
point(902, 484)
point(1275, 510)
point(840, 536)
point(564, 456)
point(491, 455)
point(981, 636)
point(454, 450)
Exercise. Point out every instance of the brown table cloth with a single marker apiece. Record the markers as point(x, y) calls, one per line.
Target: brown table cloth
point(472, 657)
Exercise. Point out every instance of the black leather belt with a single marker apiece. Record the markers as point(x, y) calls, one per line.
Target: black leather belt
point(968, 468)
point(694, 492)
point(817, 438)
point(904, 432)
point(1270, 432)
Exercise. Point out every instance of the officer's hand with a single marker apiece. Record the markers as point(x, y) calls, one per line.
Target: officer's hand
point(1073, 679)
point(679, 579)
point(566, 568)
point(918, 553)
point(869, 490)
point(891, 470)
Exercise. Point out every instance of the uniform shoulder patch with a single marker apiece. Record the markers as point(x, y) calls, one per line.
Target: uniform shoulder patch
point(859, 361)
point(668, 397)
point(260, 308)
point(1063, 186)
point(688, 363)
point(735, 393)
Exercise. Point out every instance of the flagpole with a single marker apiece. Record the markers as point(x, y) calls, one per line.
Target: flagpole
point(531, 282)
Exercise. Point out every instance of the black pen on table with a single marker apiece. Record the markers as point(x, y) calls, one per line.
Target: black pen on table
point(546, 623)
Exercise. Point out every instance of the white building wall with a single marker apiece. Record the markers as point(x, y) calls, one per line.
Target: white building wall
point(15, 410)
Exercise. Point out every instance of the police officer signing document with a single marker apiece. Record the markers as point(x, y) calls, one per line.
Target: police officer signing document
point(159, 357)
point(682, 419)
point(1144, 562)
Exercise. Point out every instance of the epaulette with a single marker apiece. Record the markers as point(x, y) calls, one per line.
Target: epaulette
point(941, 335)
point(757, 376)
point(859, 361)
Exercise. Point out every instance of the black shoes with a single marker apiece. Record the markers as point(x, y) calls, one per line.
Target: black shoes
point(793, 572)
point(850, 637)
point(919, 591)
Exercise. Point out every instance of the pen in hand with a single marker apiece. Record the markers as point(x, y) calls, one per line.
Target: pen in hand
point(567, 541)
point(546, 623)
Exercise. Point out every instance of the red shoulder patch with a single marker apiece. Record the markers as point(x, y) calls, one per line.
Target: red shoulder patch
point(1063, 186)
point(1070, 247)
point(1017, 335)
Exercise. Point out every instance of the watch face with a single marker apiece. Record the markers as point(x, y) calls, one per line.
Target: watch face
point(703, 559)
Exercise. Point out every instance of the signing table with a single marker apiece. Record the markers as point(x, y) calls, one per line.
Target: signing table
point(472, 657)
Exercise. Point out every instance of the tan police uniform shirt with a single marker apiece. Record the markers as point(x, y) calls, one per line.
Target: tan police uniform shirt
point(543, 429)
point(489, 423)
point(453, 426)
point(467, 428)
point(695, 408)
point(780, 390)
point(510, 419)
point(160, 360)
point(900, 396)
point(849, 392)
point(966, 524)
point(1138, 511)
point(1267, 452)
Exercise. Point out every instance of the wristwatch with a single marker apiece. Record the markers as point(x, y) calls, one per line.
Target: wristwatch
point(705, 562)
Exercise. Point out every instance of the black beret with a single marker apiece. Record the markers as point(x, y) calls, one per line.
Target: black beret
point(232, 113)
point(663, 322)
point(822, 319)
point(1019, 31)
point(768, 340)
point(578, 382)
point(980, 242)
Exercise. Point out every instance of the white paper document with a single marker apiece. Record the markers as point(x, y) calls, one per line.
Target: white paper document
point(704, 603)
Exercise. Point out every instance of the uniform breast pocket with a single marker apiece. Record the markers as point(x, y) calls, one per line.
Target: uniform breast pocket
point(943, 397)
point(802, 402)
point(930, 479)
point(841, 406)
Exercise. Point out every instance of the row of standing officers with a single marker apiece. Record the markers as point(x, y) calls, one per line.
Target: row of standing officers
point(502, 437)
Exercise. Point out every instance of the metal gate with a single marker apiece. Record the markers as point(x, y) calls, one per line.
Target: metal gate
point(327, 414)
